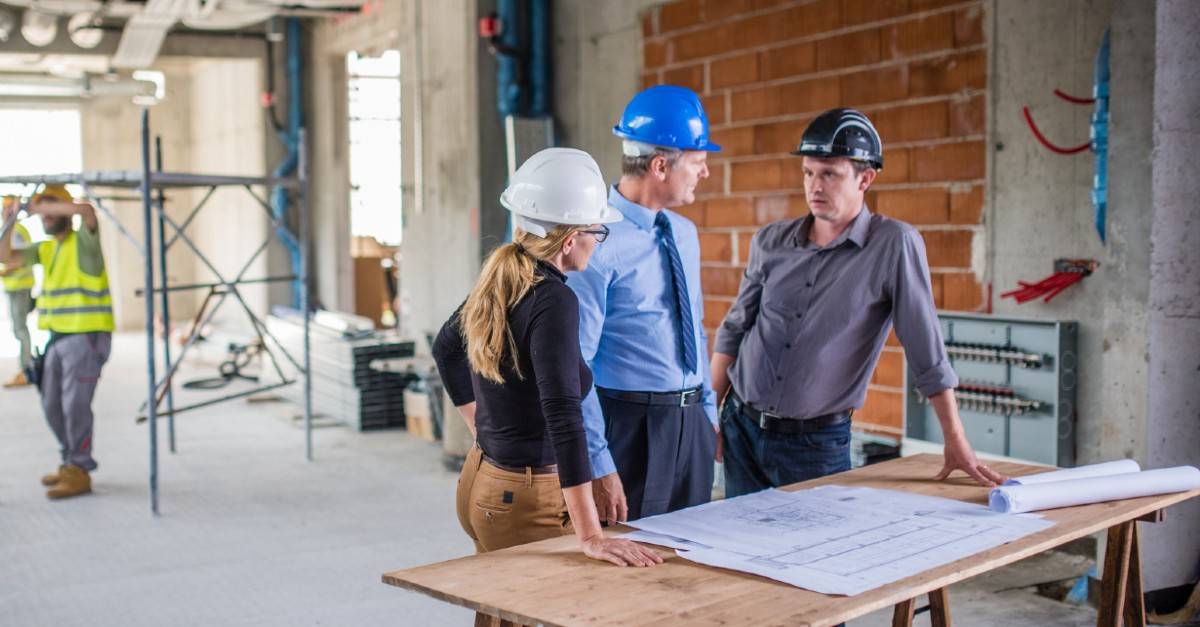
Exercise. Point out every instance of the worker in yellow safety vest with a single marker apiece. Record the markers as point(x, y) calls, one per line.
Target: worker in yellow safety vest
point(76, 308)
point(18, 290)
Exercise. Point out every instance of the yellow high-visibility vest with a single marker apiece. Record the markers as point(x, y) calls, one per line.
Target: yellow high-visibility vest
point(71, 301)
point(22, 279)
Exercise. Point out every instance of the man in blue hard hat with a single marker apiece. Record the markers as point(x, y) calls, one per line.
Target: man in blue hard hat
point(795, 353)
point(651, 419)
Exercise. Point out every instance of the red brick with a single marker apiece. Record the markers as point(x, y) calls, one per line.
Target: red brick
point(648, 20)
point(863, 11)
point(735, 142)
point(929, 205)
point(774, 174)
point(726, 212)
point(963, 161)
point(949, 74)
point(716, 247)
point(750, 32)
point(690, 76)
point(967, 117)
point(799, 97)
point(895, 166)
point(968, 26)
point(715, 183)
point(892, 340)
point(948, 249)
point(654, 54)
point(720, 281)
point(678, 15)
point(734, 71)
point(768, 209)
point(703, 43)
point(744, 244)
point(766, 4)
point(715, 310)
point(649, 79)
point(935, 284)
point(856, 48)
point(911, 123)
point(716, 10)
point(917, 36)
point(874, 86)
point(693, 212)
point(883, 408)
point(714, 108)
point(961, 292)
point(966, 207)
point(780, 137)
point(927, 5)
point(806, 19)
point(890, 369)
point(788, 61)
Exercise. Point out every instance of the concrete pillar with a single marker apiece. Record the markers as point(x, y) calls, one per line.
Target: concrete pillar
point(1171, 550)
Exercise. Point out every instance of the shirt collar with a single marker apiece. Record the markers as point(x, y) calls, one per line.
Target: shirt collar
point(640, 216)
point(548, 269)
point(857, 231)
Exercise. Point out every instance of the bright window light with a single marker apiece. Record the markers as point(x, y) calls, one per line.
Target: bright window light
point(374, 124)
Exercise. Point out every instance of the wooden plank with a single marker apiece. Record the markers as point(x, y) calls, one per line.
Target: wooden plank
point(939, 608)
point(552, 583)
point(1116, 575)
point(902, 615)
point(1135, 601)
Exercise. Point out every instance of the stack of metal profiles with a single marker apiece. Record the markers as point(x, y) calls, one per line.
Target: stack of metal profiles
point(344, 384)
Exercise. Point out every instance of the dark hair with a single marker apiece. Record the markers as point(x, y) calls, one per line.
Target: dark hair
point(637, 166)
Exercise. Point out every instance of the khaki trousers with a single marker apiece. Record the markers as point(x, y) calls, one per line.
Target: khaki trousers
point(498, 509)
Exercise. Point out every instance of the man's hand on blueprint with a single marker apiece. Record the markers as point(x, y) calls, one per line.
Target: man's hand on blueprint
point(960, 456)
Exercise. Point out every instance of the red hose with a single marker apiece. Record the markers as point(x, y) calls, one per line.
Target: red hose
point(1045, 142)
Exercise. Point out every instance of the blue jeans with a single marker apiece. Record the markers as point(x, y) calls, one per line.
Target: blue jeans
point(756, 459)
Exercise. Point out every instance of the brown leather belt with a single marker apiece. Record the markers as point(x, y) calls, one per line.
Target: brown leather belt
point(783, 424)
point(552, 469)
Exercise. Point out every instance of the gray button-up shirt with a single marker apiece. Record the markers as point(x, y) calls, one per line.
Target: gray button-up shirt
point(810, 321)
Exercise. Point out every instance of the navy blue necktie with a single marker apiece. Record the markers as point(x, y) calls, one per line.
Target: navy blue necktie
point(687, 328)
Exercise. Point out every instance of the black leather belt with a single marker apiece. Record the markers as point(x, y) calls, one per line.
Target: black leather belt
point(682, 398)
point(552, 469)
point(783, 424)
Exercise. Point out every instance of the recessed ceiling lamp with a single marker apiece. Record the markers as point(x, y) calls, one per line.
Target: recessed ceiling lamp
point(84, 30)
point(38, 28)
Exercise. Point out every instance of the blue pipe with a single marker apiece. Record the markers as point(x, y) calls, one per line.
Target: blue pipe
point(539, 58)
point(290, 136)
point(508, 90)
point(1100, 138)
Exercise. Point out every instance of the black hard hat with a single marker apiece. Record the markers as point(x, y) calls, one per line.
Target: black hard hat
point(842, 133)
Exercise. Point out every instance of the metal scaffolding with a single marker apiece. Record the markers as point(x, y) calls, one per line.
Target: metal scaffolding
point(151, 184)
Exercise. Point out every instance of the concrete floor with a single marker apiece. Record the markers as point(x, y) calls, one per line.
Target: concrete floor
point(251, 534)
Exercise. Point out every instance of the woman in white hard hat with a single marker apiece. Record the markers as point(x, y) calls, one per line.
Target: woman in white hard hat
point(510, 361)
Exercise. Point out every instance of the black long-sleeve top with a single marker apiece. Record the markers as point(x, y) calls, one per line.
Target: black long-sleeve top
point(538, 420)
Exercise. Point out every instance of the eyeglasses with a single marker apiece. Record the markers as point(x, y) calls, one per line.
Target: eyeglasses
point(600, 234)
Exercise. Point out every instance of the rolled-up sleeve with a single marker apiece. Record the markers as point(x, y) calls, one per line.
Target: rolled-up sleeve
point(450, 353)
point(916, 321)
point(744, 312)
point(591, 289)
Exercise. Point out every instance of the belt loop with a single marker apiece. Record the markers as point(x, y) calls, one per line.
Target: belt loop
point(479, 458)
point(529, 476)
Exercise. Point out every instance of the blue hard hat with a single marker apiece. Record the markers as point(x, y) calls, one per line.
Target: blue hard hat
point(667, 116)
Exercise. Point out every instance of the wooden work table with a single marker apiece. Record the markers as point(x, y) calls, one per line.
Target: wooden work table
point(552, 583)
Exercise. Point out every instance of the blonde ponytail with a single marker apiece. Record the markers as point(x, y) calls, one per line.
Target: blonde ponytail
point(507, 276)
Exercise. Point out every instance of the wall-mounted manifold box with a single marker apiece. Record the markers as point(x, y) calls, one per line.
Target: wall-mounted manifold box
point(1016, 393)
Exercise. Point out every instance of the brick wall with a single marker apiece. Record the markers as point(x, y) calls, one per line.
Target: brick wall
point(917, 68)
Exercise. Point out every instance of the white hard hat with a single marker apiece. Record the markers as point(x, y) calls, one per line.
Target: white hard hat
point(558, 186)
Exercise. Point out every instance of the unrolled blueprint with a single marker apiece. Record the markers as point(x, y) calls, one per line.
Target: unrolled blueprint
point(838, 540)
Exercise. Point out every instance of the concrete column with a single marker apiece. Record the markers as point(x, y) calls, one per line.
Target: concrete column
point(1171, 550)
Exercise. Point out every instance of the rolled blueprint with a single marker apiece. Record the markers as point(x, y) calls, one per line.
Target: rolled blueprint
point(1029, 498)
point(1104, 469)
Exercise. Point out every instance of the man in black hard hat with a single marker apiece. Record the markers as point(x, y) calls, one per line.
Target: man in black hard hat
point(794, 355)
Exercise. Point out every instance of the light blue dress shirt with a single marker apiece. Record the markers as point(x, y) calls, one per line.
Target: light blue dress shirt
point(628, 333)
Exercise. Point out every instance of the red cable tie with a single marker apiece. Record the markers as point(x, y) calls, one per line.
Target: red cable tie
point(1074, 99)
point(1045, 142)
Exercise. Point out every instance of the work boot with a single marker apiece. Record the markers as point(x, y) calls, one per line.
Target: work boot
point(72, 481)
point(17, 381)
point(54, 477)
